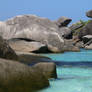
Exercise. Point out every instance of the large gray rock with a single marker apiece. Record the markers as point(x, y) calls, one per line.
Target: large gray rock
point(27, 46)
point(86, 30)
point(63, 21)
point(89, 14)
point(48, 69)
point(17, 77)
point(33, 28)
point(6, 51)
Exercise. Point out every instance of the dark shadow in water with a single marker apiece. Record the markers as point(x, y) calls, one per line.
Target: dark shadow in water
point(73, 77)
point(69, 63)
point(61, 63)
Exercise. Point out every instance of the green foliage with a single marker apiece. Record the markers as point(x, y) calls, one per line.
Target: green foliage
point(85, 22)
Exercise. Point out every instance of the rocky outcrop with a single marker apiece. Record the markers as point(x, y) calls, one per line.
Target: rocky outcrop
point(33, 28)
point(17, 77)
point(48, 69)
point(89, 13)
point(63, 21)
point(6, 51)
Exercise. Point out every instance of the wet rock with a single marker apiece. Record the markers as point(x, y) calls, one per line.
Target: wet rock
point(48, 69)
point(17, 77)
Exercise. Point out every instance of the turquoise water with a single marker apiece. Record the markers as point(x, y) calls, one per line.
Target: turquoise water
point(84, 55)
point(70, 78)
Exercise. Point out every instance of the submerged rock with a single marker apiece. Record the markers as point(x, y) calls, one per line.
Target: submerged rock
point(17, 77)
point(5, 50)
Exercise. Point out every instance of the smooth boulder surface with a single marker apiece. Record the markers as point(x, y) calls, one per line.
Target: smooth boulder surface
point(48, 69)
point(34, 28)
point(89, 13)
point(63, 21)
point(28, 46)
point(6, 51)
point(17, 77)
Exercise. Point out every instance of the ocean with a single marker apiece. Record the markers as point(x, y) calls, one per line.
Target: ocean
point(74, 75)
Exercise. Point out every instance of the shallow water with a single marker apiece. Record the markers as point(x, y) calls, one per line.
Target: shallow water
point(84, 55)
point(71, 78)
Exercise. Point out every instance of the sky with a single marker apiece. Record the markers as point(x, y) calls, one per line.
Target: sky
point(52, 9)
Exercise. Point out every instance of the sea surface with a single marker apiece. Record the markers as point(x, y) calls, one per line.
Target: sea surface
point(74, 75)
